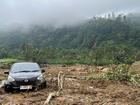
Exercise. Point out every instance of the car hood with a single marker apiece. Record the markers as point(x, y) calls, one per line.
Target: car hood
point(25, 75)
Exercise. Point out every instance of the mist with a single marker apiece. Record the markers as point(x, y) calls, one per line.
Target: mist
point(59, 12)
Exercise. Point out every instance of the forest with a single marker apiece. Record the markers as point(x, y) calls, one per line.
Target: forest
point(99, 40)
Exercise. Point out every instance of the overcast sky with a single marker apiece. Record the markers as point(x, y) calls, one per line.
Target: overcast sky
point(60, 11)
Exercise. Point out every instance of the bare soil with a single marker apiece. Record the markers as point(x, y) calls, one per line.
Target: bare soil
point(77, 90)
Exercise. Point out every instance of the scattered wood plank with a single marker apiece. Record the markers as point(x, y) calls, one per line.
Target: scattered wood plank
point(60, 88)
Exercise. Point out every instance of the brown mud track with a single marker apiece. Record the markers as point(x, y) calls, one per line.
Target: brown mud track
point(77, 91)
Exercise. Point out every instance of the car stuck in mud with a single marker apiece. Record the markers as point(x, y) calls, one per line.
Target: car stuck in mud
point(24, 76)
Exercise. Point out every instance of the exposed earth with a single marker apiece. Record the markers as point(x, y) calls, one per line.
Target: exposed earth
point(76, 91)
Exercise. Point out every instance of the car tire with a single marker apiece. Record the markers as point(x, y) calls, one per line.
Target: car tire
point(43, 85)
point(7, 89)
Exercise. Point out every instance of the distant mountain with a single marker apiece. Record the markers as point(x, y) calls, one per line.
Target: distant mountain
point(89, 34)
point(135, 17)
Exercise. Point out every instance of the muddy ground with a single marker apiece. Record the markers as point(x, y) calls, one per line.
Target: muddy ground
point(77, 90)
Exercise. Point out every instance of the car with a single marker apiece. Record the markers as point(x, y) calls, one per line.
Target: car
point(24, 76)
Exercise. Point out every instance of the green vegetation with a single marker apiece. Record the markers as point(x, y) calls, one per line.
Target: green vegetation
point(119, 73)
point(99, 41)
point(8, 61)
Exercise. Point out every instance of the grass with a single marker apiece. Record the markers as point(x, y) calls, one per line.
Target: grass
point(5, 63)
point(8, 61)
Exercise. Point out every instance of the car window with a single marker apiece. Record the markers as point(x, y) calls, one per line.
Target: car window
point(25, 67)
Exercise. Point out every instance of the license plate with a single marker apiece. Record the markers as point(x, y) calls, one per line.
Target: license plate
point(26, 87)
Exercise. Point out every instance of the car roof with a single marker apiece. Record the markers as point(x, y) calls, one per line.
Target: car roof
point(20, 63)
point(25, 66)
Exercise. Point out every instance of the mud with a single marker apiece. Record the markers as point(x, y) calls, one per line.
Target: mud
point(77, 91)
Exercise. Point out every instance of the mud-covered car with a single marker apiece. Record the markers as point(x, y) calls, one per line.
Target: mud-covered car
point(24, 76)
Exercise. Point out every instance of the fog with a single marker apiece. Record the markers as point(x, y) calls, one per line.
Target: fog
point(59, 12)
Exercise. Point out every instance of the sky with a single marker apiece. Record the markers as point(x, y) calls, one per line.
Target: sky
point(27, 12)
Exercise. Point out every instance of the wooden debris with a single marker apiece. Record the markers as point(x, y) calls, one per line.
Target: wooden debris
point(60, 88)
point(2, 83)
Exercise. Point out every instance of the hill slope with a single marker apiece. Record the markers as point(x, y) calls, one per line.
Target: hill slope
point(111, 38)
point(92, 33)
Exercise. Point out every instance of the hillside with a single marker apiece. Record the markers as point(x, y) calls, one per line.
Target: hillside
point(114, 37)
point(96, 31)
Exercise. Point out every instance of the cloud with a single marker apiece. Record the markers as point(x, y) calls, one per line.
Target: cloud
point(28, 12)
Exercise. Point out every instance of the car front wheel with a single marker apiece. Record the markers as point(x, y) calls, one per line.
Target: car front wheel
point(43, 85)
point(8, 89)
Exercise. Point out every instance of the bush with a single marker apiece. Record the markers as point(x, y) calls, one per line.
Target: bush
point(7, 62)
point(120, 73)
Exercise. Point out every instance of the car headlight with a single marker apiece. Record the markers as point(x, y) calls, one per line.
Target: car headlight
point(40, 77)
point(10, 79)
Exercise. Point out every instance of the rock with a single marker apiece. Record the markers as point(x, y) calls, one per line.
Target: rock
point(63, 65)
point(99, 68)
point(72, 70)
point(105, 70)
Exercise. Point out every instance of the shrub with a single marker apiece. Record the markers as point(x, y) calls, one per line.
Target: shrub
point(120, 73)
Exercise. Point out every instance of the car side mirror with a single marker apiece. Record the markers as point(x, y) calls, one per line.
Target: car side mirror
point(6, 72)
point(43, 70)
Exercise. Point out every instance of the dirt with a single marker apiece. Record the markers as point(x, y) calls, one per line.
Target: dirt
point(77, 90)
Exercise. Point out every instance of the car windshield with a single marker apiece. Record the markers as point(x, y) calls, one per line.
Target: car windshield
point(25, 67)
